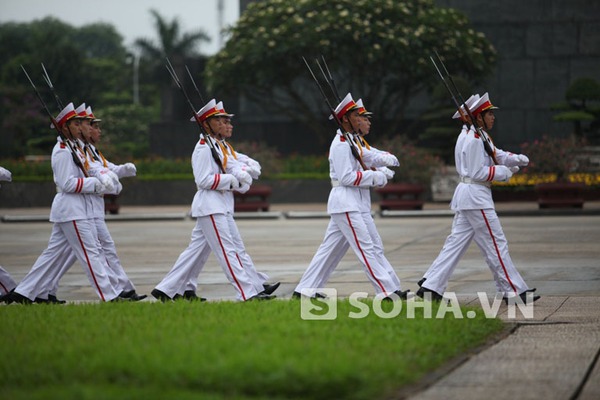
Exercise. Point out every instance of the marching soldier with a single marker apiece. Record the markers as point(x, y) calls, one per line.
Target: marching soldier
point(211, 205)
point(99, 165)
point(234, 160)
point(475, 217)
point(349, 205)
point(72, 227)
point(7, 283)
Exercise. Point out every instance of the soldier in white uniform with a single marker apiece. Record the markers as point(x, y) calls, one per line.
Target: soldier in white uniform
point(350, 210)
point(7, 283)
point(234, 160)
point(69, 213)
point(475, 217)
point(212, 202)
point(99, 165)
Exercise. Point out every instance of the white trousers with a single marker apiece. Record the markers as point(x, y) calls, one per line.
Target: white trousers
point(82, 238)
point(484, 227)
point(358, 231)
point(212, 232)
point(258, 278)
point(7, 283)
point(66, 258)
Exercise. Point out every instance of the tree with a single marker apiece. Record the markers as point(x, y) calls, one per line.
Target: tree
point(582, 106)
point(86, 64)
point(377, 49)
point(172, 43)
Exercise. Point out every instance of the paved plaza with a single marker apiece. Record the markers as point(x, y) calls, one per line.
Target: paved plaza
point(552, 356)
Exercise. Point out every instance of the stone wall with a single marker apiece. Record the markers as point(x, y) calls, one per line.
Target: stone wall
point(543, 45)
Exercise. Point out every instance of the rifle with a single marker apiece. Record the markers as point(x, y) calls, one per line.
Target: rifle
point(335, 117)
point(59, 103)
point(486, 143)
point(76, 158)
point(51, 86)
point(330, 80)
point(213, 151)
point(195, 86)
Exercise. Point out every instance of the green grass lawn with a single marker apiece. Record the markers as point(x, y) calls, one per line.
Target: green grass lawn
point(221, 350)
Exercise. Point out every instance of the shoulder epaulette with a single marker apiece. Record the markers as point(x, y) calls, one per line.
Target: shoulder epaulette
point(202, 141)
point(62, 146)
point(342, 138)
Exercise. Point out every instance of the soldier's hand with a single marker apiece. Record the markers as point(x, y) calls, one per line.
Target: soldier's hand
point(99, 187)
point(389, 174)
point(107, 182)
point(129, 169)
point(514, 169)
point(254, 172)
point(255, 165)
point(234, 183)
point(5, 175)
point(522, 160)
point(390, 160)
point(114, 177)
point(244, 178)
point(379, 179)
point(503, 173)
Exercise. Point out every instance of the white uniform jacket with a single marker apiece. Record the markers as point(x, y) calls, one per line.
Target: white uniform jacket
point(373, 158)
point(474, 165)
point(70, 203)
point(214, 195)
point(351, 183)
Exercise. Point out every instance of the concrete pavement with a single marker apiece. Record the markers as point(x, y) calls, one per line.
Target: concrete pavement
point(553, 355)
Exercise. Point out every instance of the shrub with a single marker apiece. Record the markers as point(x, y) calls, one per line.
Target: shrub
point(417, 165)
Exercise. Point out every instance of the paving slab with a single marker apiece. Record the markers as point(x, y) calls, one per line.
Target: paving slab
point(552, 355)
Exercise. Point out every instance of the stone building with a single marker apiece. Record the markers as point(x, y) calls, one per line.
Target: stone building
point(542, 45)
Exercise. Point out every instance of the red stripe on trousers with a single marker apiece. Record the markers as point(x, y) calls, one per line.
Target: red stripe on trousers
point(498, 251)
point(240, 261)
point(363, 254)
point(88, 261)
point(226, 259)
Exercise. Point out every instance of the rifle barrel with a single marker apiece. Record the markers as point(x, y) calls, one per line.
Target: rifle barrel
point(213, 151)
point(76, 159)
point(335, 117)
point(486, 143)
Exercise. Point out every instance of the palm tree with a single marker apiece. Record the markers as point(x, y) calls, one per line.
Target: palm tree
point(172, 43)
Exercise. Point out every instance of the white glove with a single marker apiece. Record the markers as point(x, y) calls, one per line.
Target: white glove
point(5, 175)
point(379, 179)
point(243, 177)
point(99, 187)
point(129, 169)
point(253, 171)
point(254, 164)
point(107, 182)
point(389, 174)
point(114, 177)
point(390, 160)
point(522, 160)
point(235, 184)
point(118, 188)
point(514, 169)
point(507, 172)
